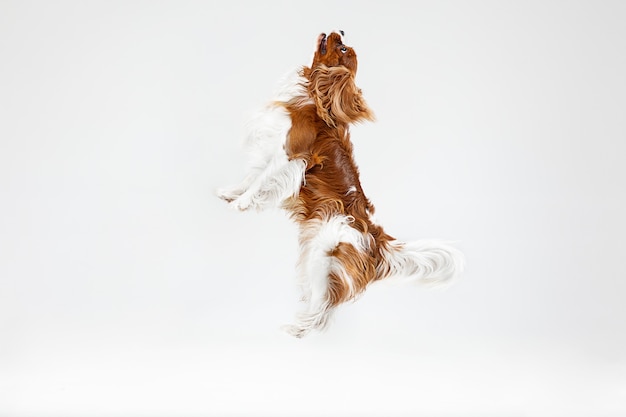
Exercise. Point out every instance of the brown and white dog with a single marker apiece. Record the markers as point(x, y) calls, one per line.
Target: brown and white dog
point(302, 161)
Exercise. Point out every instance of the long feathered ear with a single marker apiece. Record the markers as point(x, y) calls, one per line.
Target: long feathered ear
point(337, 98)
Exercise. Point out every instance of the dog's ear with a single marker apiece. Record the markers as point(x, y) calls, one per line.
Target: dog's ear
point(337, 98)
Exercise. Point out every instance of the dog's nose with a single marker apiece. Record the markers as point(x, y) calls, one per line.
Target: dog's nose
point(342, 32)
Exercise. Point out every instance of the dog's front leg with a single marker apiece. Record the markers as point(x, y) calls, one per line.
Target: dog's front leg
point(249, 186)
point(281, 180)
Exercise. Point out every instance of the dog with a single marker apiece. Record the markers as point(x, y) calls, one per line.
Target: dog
point(302, 161)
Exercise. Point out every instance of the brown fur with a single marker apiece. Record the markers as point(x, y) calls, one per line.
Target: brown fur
point(320, 135)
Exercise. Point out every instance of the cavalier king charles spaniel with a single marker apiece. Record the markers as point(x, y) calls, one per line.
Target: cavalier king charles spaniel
point(301, 160)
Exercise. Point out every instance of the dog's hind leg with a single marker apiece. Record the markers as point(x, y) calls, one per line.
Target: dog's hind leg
point(321, 272)
point(313, 270)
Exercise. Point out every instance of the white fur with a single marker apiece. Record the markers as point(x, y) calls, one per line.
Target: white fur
point(318, 238)
point(272, 177)
point(427, 262)
point(292, 85)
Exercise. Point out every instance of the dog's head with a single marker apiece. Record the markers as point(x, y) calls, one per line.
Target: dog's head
point(331, 52)
point(331, 82)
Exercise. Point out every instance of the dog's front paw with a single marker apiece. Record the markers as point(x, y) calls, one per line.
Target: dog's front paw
point(244, 202)
point(228, 194)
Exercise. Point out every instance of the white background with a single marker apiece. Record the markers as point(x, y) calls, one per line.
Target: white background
point(128, 289)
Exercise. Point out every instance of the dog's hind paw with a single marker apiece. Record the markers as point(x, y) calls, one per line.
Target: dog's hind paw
point(295, 330)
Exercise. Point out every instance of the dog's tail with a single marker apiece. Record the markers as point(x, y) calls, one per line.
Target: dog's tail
point(427, 262)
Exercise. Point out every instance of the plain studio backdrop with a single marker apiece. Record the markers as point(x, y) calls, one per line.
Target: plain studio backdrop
point(128, 289)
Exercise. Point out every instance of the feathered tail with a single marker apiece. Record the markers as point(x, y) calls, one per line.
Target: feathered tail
point(427, 262)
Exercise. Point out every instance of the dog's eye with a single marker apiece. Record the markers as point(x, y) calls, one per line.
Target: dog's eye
point(343, 49)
